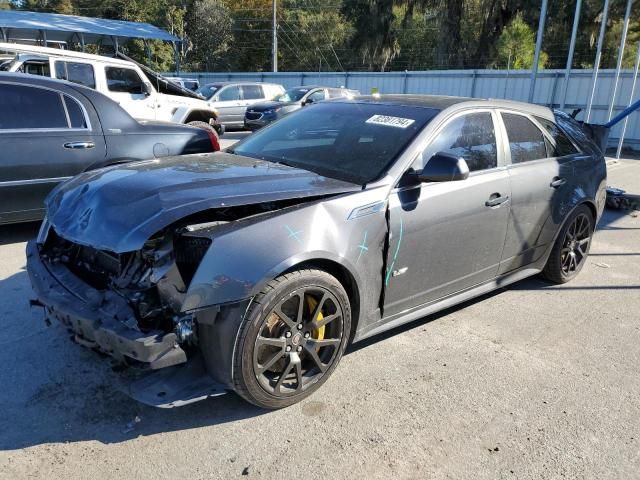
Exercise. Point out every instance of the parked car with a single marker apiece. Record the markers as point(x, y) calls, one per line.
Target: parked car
point(261, 114)
point(188, 83)
point(51, 130)
point(143, 93)
point(231, 99)
point(334, 224)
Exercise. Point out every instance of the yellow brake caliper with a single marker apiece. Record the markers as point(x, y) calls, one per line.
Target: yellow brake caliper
point(318, 334)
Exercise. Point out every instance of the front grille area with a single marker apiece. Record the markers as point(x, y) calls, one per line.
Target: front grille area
point(95, 267)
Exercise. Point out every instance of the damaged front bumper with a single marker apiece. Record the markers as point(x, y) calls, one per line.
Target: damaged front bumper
point(98, 319)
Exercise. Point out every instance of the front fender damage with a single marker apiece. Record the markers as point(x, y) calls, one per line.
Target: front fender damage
point(187, 290)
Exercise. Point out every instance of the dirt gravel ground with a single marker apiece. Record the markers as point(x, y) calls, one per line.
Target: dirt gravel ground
point(533, 381)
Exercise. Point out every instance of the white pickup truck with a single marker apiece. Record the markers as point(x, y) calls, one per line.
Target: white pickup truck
point(144, 94)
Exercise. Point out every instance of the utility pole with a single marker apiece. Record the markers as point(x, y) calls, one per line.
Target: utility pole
point(572, 49)
point(536, 56)
point(274, 47)
point(596, 64)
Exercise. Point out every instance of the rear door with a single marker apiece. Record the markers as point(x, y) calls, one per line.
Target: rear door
point(45, 137)
point(229, 104)
point(541, 172)
point(252, 94)
point(448, 236)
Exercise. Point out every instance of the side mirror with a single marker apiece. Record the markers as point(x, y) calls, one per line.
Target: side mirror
point(444, 167)
point(147, 88)
point(308, 101)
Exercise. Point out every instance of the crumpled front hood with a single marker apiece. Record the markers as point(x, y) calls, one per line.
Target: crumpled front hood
point(118, 208)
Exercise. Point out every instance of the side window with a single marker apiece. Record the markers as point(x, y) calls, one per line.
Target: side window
point(123, 80)
point(76, 116)
point(229, 94)
point(471, 137)
point(24, 107)
point(81, 73)
point(526, 141)
point(317, 96)
point(563, 146)
point(252, 92)
point(36, 68)
point(335, 93)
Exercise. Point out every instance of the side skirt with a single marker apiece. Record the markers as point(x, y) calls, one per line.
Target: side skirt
point(424, 310)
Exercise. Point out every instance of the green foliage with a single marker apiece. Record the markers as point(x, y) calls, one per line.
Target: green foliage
point(208, 28)
point(516, 47)
point(311, 37)
point(335, 35)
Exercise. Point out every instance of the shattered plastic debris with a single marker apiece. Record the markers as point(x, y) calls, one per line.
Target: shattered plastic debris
point(618, 199)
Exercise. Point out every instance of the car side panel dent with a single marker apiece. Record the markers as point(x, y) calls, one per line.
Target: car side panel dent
point(240, 262)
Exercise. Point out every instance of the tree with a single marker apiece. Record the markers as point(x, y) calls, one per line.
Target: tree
point(208, 28)
point(516, 46)
point(311, 37)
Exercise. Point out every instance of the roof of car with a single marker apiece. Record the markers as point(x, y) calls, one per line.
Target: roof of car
point(58, 53)
point(442, 102)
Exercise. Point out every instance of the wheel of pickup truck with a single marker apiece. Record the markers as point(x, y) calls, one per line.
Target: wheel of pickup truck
point(204, 126)
point(292, 338)
point(572, 246)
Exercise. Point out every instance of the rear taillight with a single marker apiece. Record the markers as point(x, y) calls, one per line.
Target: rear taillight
point(213, 138)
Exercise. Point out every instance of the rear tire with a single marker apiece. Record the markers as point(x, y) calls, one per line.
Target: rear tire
point(571, 248)
point(292, 338)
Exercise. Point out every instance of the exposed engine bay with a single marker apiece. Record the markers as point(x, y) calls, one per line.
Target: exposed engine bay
point(153, 281)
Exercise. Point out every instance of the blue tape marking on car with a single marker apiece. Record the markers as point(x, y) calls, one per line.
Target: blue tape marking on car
point(294, 234)
point(395, 255)
point(363, 246)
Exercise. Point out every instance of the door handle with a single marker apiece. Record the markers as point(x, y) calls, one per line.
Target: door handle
point(557, 182)
point(496, 199)
point(79, 145)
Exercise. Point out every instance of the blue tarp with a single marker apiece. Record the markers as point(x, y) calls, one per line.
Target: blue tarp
point(21, 25)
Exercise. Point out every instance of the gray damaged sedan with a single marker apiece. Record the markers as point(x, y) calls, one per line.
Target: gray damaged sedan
point(251, 270)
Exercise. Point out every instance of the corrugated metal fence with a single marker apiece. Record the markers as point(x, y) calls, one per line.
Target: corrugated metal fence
point(512, 85)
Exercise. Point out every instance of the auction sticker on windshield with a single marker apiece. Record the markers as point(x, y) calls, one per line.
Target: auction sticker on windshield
point(389, 121)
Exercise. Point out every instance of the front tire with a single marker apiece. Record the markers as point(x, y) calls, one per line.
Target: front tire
point(572, 246)
point(292, 338)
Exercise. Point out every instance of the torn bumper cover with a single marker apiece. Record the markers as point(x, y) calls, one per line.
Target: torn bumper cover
point(98, 319)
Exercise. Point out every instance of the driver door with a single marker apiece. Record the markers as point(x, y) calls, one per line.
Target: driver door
point(126, 87)
point(447, 237)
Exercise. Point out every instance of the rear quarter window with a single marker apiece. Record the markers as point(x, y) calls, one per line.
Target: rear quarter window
point(563, 146)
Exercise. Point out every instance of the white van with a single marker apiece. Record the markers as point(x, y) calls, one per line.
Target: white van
point(144, 94)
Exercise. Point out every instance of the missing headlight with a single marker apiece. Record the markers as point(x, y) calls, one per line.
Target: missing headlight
point(189, 252)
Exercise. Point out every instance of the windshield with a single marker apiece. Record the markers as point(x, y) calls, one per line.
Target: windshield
point(292, 95)
point(208, 91)
point(354, 142)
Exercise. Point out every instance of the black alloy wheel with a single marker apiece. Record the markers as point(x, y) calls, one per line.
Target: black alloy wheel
point(576, 244)
point(571, 248)
point(292, 339)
